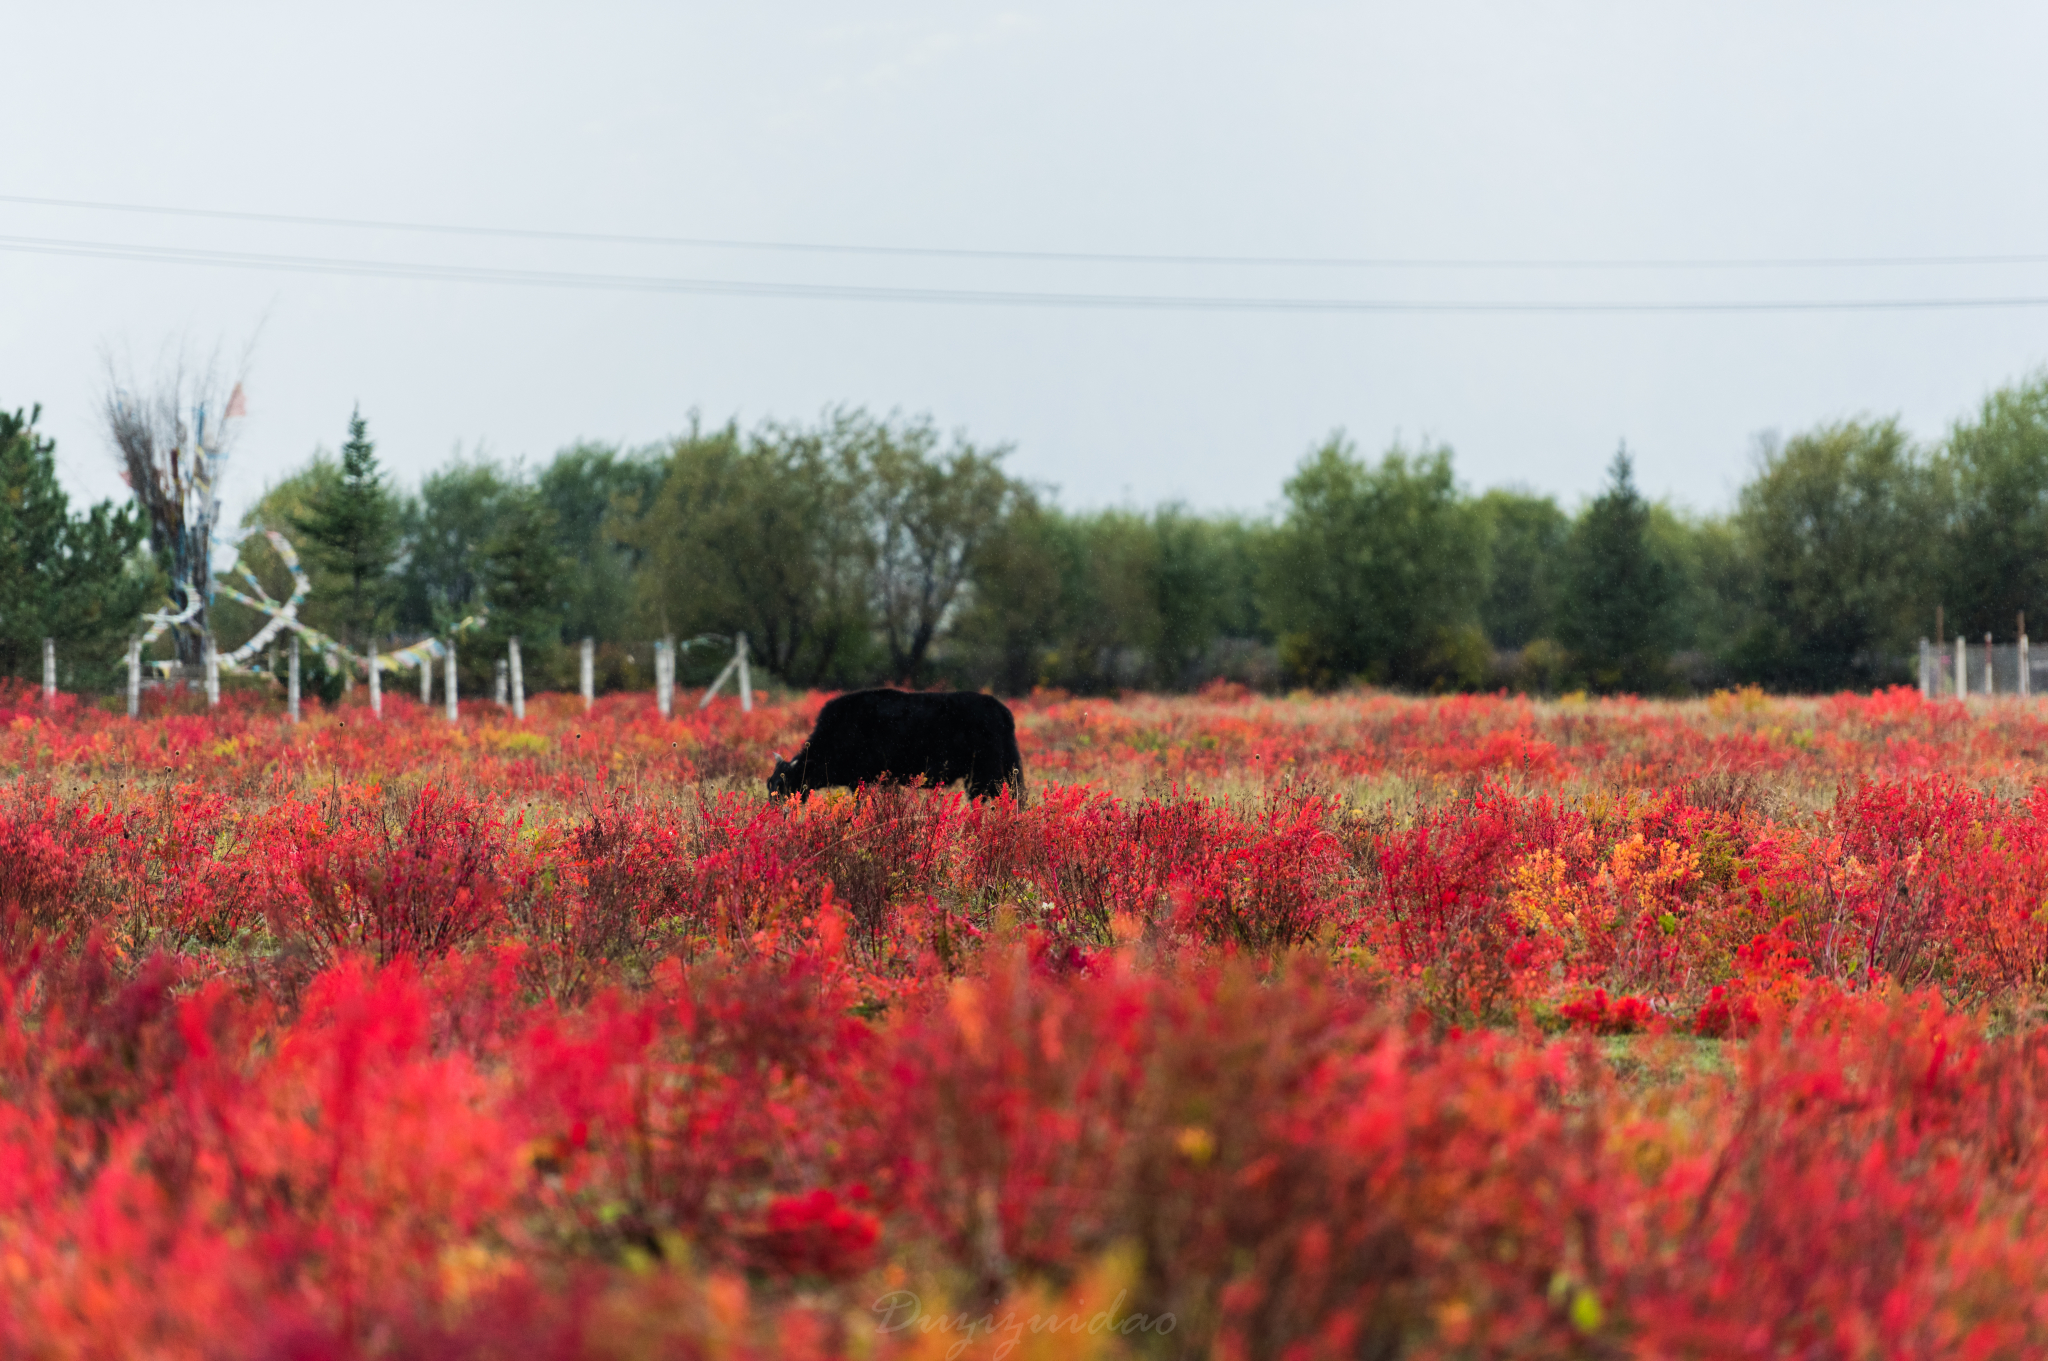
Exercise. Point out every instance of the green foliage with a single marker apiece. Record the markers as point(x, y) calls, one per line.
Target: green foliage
point(1018, 602)
point(1618, 618)
point(1373, 567)
point(521, 572)
point(1834, 529)
point(448, 529)
point(80, 580)
point(1105, 600)
point(928, 515)
point(1526, 536)
point(350, 527)
point(588, 488)
point(862, 550)
point(1993, 480)
point(763, 533)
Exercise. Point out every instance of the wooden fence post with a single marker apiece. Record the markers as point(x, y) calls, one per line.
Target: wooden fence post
point(1962, 667)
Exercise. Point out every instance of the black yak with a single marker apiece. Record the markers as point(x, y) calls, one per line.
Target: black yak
point(897, 737)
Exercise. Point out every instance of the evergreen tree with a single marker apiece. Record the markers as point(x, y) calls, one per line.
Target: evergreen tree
point(78, 579)
point(350, 528)
point(1619, 592)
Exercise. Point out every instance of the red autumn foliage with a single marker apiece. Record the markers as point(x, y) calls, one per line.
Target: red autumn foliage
point(400, 1038)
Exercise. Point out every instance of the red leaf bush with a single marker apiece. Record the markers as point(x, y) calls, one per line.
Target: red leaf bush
point(1350, 1026)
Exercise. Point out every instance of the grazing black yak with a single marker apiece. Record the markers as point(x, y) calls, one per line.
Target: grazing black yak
point(896, 737)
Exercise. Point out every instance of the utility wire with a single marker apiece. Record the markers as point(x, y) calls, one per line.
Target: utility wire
point(742, 288)
point(1071, 257)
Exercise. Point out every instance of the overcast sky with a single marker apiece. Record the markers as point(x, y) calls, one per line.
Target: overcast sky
point(1472, 132)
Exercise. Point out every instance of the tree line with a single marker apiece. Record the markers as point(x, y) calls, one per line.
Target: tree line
point(859, 550)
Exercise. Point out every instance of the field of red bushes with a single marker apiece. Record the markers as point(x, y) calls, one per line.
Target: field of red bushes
point(1356, 1026)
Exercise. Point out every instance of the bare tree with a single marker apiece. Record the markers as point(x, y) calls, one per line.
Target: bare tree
point(172, 435)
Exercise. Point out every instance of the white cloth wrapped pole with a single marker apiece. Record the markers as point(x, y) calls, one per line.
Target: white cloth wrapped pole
point(588, 673)
point(49, 670)
point(518, 683)
point(448, 683)
point(665, 676)
point(134, 678)
point(746, 677)
point(291, 685)
point(376, 688)
point(212, 673)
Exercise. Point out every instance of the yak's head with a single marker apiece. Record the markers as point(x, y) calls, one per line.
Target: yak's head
point(782, 782)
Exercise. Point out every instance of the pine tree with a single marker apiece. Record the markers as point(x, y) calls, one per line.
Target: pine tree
point(1619, 592)
point(75, 579)
point(351, 528)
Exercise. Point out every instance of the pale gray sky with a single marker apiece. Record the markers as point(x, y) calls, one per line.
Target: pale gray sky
point(1510, 131)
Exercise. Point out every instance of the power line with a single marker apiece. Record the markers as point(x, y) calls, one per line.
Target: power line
point(743, 288)
point(1042, 256)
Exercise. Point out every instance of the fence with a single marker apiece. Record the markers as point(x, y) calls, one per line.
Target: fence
point(1948, 670)
point(509, 688)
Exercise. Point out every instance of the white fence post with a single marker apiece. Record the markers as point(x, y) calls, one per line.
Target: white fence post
point(518, 682)
point(212, 673)
point(135, 676)
point(49, 670)
point(1962, 668)
point(588, 668)
point(498, 696)
point(2026, 670)
point(448, 683)
point(376, 685)
point(665, 676)
point(746, 678)
point(291, 684)
point(1989, 689)
point(426, 678)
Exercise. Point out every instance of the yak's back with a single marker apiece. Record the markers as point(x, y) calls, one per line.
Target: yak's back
point(889, 716)
point(903, 735)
